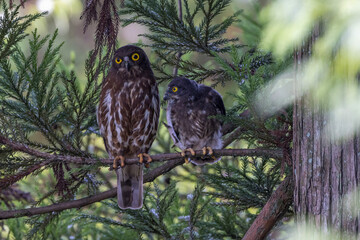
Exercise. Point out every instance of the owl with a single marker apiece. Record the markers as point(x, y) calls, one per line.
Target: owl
point(189, 118)
point(128, 115)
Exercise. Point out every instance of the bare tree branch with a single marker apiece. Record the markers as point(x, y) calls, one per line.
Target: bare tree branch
point(233, 136)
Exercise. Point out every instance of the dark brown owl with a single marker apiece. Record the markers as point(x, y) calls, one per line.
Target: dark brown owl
point(128, 115)
point(189, 110)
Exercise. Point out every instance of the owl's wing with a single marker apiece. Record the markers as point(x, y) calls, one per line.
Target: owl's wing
point(209, 105)
point(216, 100)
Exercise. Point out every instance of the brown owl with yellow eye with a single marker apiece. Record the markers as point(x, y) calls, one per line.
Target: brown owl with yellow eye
point(190, 115)
point(128, 115)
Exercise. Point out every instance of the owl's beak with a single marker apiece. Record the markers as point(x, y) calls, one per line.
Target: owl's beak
point(126, 63)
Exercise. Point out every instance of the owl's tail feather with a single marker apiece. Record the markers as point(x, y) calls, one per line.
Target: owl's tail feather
point(130, 186)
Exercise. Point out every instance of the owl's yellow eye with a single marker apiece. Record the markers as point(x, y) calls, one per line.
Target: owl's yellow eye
point(118, 60)
point(135, 57)
point(174, 89)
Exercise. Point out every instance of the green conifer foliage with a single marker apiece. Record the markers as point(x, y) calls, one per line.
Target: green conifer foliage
point(36, 97)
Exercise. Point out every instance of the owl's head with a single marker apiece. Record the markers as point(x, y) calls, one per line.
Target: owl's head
point(130, 57)
point(180, 87)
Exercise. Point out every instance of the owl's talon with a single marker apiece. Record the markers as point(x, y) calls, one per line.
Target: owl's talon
point(115, 163)
point(149, 160)
point(211, 152)
point(122, 161)
point(204, 150)
point(183, 154)
point(141, 159)
point(191, 151)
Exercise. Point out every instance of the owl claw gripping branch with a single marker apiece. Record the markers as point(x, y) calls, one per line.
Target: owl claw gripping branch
point(141, 159)
point(183, 153)
point(122, 162)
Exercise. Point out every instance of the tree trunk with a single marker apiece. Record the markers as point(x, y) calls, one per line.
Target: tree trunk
point(324, 170)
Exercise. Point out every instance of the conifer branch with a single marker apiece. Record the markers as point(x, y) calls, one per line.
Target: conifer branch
point(276, 153)
point(179, 54)
point(176, 158)
point(149, 177)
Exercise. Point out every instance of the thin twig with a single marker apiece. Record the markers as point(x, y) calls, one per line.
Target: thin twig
point(233, 136)
point(8, 181)
point(179, 54)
